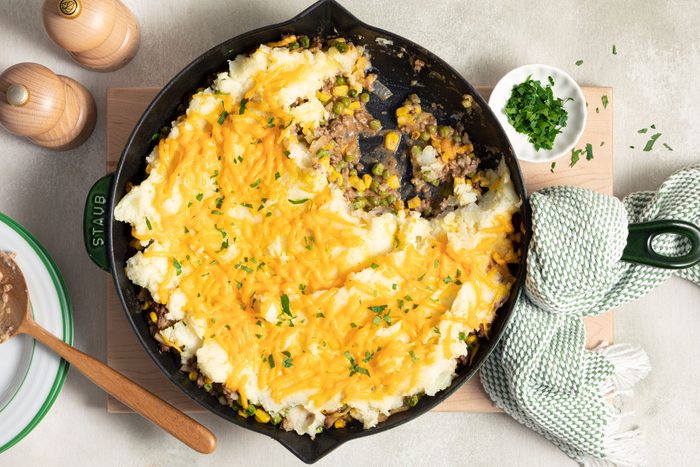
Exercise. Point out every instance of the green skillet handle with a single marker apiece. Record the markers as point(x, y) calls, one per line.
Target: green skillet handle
point(95, 221)
point(639, 249)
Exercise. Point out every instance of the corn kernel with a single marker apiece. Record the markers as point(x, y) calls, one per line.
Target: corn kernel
point(242, 413)
point(323, 96)
point(153, 316)
point(355, 105)
point(401, 111)
point(415, 134)
point(145, 306)
point(459, 180)
point(414, 202)
point(357, 183)
point(207, 380)
point(417, 109)
point(325, 161)
point(192, 376)
point(262, 416)
point(340, 423)
point(393, 182)
point(333, 176)
point(148, 169)
point(340, 91)
point(471, 339)
point(243, 401)
point(367, 179)
point(391, 141)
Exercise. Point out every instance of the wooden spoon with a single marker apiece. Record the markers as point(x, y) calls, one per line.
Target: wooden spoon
point(15, 319)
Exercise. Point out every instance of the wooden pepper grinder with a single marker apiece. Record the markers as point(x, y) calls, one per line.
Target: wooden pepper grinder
point(101, 35)
point(52, 111)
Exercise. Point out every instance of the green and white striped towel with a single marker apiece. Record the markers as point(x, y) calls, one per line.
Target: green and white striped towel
point(541, 373)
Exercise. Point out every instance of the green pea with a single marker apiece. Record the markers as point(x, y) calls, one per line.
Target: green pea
point(323, 153)
point(374, 186)
point(364, 97)
point(340, 80)
point(345, 100)
point(391, 199)
point(432, 129)
point(359, 204)
point(353, 172)
point(425, 136)
point(375, 201)
point(293, 46)
point(378, 168)
point(304, 41)
point(341, 46)
point(445, 131)
point(349, 157)
point(352, 93)
point(340, 165)
point(416, 150)
point(375, 125)
point(338, 107)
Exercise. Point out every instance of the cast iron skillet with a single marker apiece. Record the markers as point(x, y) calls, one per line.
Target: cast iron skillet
point(107, 241)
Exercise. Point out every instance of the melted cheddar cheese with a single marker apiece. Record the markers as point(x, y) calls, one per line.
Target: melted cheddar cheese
point(283, 292)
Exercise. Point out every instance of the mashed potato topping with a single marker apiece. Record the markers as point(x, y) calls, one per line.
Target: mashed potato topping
point(276, 288)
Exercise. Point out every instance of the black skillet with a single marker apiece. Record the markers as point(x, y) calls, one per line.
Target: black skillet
point(107, 241)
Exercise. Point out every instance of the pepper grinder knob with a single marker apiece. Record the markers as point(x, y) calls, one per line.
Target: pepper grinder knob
point(52, 111)
point(101, 35)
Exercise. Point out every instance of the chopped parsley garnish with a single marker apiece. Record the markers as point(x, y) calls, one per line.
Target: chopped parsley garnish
point(219, 202)
point(286, 152)
point(551, 167)
point(255, 184)
point(575, 156)
point(462, 337)
point(222, 117)
point(668, 147)
point(271, 122)
point(277, 175)
point(200, 196)
point(421, 277)
point(643, 130)
point(241, 109)
point(374, 265)
point(377, 308)
point(177, 266)
point(589, 151)
point(224, 245)
point(217, 213)
point(298, 201)
point(414, 357)
point(604, 100)
point(436, 330)
point(368, 356)
point(447, 280)
point(309, 242)
point(284, 299)
point(245, 268)
point(320, 315)
point(270, 359)
point(394, 286)
point(354, 368)
point(650, 144)
point(148, 224)
point(302, 288)
point(534, 111)
point(288, 362)
point(614, 50)
point(239, 284)
point(579, 62)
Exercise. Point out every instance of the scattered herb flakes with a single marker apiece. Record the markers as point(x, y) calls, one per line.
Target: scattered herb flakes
point(255, 184)
point(436, 330)
point(217, 213)
point(668, 147)
point(298, 201)
point(354, 368)
point(462, 336)
point(286, 152)
point(200, 196)
point(575, 156)
point(288, 362)
point(534, 111)
point(270, 360)
point(394, 286)
point(368, 356)
point(377, 308)
point(177, 266)
point(421, 277)
point(631, 147)
point(148, 224)
point(614, 49)
point(374, 265)
point(604, 100)
point(579, 62)
point(222, 117)
point(284, 299)
point(589, 151)
point(551, 80)
point(241, 108)
point(320, 315)
point(652, 126)
point(271, 122)
point(414, 357)
point(602, 143)
point(551, 167)
point(309, 242)
point(245, 268)
point(650, 144)
point(597, 110)
point(277, 175)
point(642, 131)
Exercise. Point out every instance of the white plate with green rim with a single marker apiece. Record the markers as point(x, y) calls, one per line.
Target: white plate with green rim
point(31, 376)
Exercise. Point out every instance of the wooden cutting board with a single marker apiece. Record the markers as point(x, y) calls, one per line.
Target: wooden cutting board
point(125, 354)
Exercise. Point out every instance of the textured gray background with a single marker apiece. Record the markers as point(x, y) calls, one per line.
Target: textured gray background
point(655, 76)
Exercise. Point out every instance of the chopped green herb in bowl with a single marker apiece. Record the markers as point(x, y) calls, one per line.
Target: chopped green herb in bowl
point(542, 110)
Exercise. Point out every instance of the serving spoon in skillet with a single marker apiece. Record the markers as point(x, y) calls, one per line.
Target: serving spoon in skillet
point(15, 319)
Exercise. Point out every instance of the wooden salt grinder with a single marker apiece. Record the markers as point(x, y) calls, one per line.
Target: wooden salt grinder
point(52, 111)
point(101, 35)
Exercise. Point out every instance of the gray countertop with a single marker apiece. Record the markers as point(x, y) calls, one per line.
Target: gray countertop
point(655, 79)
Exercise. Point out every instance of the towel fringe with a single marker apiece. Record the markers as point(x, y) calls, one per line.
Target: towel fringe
point(631, 366)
